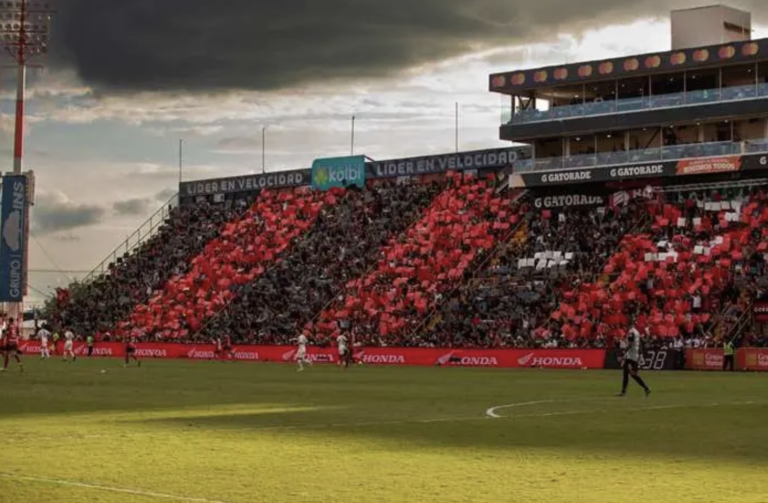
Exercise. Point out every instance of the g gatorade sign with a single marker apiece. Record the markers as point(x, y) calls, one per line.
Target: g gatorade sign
point(637, 171)
point(568, 201)
point(590, 175)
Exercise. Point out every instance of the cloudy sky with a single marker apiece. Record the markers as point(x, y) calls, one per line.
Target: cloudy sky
point(126, 80)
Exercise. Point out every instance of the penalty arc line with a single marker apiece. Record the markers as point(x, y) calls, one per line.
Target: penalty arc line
point(491, 413)
point(123, 490)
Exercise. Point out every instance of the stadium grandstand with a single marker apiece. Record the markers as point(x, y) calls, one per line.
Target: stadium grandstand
point(634, 192)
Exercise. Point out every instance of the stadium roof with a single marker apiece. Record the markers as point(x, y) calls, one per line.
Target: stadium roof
point(519, 81)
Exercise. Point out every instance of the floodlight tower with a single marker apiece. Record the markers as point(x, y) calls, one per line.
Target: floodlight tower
point(24, 32)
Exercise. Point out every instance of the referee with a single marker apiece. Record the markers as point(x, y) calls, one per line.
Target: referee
point(631, 363)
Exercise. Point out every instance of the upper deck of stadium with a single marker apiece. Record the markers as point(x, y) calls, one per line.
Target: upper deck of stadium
point(713, 63)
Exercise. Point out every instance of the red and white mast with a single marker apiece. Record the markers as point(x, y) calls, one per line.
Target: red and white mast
point(24, 32)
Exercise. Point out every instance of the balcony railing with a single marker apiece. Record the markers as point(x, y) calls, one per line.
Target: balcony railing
point(689, 98)
point(667, 153)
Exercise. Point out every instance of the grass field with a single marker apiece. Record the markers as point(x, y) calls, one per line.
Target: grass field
point(214, 432)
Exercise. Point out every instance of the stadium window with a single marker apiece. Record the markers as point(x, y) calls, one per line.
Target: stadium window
point(567, 96)
point(762, 72)
point(644, 139)
point(739, 76)
point(670, 83)
point(702, 80)
point(633, 88)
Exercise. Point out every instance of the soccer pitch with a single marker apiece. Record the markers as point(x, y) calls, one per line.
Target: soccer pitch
point(215, 432)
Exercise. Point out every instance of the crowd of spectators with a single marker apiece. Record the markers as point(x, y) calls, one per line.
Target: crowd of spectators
point(98, 305)
point(245, 248)
point(551, 251)
point(343, 244)
point(443, 263)
point(420, 267)
point(683, 275)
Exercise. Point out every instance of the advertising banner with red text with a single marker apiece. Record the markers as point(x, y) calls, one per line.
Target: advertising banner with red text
point(704, 359)
point(500, 358)
point(755, 359)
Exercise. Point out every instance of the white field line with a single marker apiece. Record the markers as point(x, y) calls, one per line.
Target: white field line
point(490, 414)
point(83, 485)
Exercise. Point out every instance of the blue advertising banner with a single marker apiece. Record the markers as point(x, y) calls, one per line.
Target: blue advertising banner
point(12, 245)
point(338, 172)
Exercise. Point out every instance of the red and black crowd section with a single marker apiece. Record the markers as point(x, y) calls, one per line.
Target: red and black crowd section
point(452, 261)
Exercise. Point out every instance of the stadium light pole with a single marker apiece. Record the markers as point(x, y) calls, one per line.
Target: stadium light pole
point(456, 139)
point(264, 149)
point(352, 138)
point(181, 160)
point(24, 32)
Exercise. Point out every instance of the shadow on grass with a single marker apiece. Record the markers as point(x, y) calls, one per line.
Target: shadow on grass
point(735, 432)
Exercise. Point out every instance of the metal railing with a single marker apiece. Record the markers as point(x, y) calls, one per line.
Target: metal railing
point(647, 155)
point(736, 329)
point(145, 231)
point(638, 104)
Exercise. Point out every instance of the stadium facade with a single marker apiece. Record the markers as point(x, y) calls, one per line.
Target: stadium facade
point(700, 113)
point(658, 127)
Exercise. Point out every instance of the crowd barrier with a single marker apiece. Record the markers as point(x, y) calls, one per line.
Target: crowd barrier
point(500, 358)
point(750, 359)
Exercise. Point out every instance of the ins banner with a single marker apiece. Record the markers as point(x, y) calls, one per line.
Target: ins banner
point(12, 245)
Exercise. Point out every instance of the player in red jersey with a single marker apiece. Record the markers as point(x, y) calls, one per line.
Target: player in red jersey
point(10, 344)
point(130, 351)
point(228, 349)
point(222, 348)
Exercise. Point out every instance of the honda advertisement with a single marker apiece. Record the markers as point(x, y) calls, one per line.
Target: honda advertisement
point(499, 358)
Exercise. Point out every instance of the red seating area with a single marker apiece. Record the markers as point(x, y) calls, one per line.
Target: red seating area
point(417, 268)
point(244, 250)
point(673, 278)
point(94, 306)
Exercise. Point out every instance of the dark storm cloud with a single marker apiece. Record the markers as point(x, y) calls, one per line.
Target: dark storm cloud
point(132, 207)
point(53, 214)
point(209, 45)
point(165, 195)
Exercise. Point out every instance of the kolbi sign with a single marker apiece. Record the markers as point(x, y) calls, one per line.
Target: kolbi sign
point(12, 243)
point(338, 172)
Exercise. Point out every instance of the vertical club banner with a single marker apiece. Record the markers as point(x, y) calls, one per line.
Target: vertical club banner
point(12, 244)
point(338, 172)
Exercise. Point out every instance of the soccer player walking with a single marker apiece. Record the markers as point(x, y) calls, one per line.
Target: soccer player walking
point(130, 352)
point(10, 344)
point(345, 355)
point(301, 353)
point(631, 363)
point(44, 336)
point(69, 346)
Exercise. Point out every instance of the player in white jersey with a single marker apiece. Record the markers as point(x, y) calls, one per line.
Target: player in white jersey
point(69, 346)
point(43, 335)
point(344, 352)
point(301, 352)
point(631, 365)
